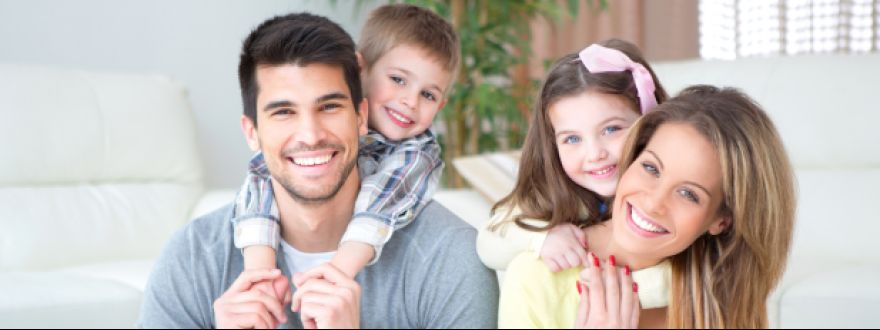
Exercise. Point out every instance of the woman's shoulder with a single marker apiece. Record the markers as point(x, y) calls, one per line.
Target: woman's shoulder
point(532, 296)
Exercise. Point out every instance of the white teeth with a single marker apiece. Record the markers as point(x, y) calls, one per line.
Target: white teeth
point(605, 171)
point(312, 161)
point(399, 117)
point(644, 224)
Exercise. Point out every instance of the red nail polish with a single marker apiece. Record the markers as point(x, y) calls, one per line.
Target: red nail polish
point(627, 270)
point(595, 261)
point(636, 287)
point(613, 261)
point(580, 290)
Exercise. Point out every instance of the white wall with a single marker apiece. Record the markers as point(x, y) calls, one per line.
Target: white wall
point(196, 42)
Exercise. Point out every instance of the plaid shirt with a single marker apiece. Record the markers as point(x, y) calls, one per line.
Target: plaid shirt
point(398, 179)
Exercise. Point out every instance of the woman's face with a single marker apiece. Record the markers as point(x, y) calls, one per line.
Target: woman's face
point(590, 129)
point(670, 195)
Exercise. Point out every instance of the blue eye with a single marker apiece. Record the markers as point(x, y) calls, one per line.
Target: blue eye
point(611, 129)
point(572, 139)
point(689, 195)
point(651, 169)
point(398, 80)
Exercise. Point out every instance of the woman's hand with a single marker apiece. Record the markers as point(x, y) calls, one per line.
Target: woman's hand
point(565, 247)
point(609, 297)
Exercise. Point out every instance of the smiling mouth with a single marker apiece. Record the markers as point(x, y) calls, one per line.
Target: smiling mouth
point(603, 172)
point(312, 161)
point(644, 224)
point(399, 119)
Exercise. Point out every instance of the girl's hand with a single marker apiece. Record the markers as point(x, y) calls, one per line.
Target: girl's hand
point(565, 247)
point(609, 297)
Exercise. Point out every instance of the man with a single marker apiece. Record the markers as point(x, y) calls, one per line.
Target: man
point(305, 112)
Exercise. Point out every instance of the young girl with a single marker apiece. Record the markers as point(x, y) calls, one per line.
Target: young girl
point(569, 165)
point(706, 187)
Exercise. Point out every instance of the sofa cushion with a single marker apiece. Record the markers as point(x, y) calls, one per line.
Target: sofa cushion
point(842, 296)
point(60, 300)
point(96, 167)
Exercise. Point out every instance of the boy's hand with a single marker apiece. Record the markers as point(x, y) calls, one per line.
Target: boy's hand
point(565, 247)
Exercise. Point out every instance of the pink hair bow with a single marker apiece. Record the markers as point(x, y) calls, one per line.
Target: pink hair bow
point(599, 59)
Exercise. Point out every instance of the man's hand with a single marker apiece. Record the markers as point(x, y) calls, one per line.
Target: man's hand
point(326, 298)
point(245, 307)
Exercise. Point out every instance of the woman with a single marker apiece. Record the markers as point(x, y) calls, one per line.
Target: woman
point(706, 187)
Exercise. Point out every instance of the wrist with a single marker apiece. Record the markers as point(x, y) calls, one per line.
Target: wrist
point(259, 257)
point(352, 257)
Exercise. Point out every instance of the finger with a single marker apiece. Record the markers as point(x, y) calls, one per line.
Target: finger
point(268, 302)
point(612, 290)
point(581, 237)
point(250, 321)
point(552, 265)
point(281, 289)
point(249, 277)
point(320, 287)
point(301, 278)
point(597, 289)
point(584, 258)
point(571, 259)
point(583, 307)
point(248, 310)
point(626, 297)
point(636, 307)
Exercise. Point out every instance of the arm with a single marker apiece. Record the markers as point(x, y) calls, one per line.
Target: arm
point(502, 240)
point(395, 189)
point(256, 222)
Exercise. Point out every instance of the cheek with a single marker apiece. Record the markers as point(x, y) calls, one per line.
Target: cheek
point(571, 160)
point(615, 146)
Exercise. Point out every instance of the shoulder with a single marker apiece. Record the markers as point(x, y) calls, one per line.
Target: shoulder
point(534, 297)
point(438, 228)
point(210, 232)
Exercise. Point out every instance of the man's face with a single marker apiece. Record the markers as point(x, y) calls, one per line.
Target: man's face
point(307, 127)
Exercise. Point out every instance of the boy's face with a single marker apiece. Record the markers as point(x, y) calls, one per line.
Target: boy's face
point(406, 88)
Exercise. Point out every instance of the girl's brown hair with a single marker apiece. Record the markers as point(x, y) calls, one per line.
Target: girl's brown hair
point(723, 281)
point(543, 191)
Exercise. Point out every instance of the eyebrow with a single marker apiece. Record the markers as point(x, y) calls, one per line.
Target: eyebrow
point(434, 86)
point(687, 182)
point(290, 104)
point(600, 124)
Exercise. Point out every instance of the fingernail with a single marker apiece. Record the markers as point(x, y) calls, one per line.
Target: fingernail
point(580, 290)
point(635, 287)
point(626, 270)
point(613, 261)
point(595, 260)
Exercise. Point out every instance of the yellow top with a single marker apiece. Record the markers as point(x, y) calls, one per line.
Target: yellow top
point(533, 297)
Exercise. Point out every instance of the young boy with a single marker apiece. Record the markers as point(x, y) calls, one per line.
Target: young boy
point(409, 57)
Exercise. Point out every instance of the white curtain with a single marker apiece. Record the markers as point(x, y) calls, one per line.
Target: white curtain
point(731, 29)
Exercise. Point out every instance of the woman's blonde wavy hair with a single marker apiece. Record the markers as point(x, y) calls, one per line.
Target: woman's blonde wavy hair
point(724, 281)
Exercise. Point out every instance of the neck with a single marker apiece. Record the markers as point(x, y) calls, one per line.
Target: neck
point(601, 242)
point(317, 227)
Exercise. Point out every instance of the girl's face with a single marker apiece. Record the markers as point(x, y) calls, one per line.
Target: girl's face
point(590, 130)
point(670, 195)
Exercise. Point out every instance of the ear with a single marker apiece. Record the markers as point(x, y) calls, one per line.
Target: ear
point(720, 225)
point(360, 59)
point(249, 129)
point(443, 103)
point(363, 117)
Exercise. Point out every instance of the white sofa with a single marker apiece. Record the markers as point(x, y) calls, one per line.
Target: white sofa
point(98, 170)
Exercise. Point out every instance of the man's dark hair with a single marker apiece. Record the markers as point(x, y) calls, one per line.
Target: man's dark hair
point(299, 39)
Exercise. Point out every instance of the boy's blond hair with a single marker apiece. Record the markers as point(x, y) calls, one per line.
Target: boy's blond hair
point(390, 26)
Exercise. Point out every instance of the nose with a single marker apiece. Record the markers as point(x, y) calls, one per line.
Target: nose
point(310, 131)
point(654, 203)
point(596, 151)
point(409, 98)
